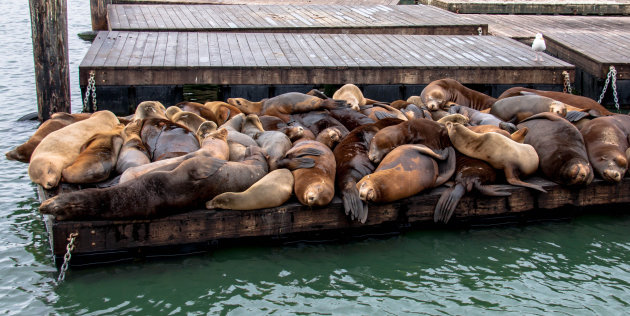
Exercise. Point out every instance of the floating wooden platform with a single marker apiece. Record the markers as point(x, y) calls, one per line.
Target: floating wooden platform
point(347, 19)
point(261, 2)
point(175, 58)
point(106, 241)
point(569, 7)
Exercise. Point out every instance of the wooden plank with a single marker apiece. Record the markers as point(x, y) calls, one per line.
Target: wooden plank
point(160, 49)
point(116, 49)
point(127, 50)
point(137, 52)
point(258, 2)
point(567, 7)
point(148, 59)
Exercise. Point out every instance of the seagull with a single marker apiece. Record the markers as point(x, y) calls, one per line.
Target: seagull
point(538, 46)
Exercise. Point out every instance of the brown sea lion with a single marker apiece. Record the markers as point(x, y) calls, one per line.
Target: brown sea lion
point(329, 137)
point(470, 173)
point(272, 190)
point(416, 131)
point(60, 148)
point(406, 171)
point(438, 93)
point(349, 118)
point(165, 139)
point(161, 193)
point(191, 120)
point(499, 151)
point(57, 121)
point(380, 110)
point(272, 123)
point(286, 104)
point(275, 144)
point(133, 152)
point(570, 99)
point(560, 148)
point(97, 158)
point(351, 94)
point(317, 121)
point(148, 109)
point(607, 141)
point(313, 186)
point(222, 111)
point(479, 118)
point(516, 109)
point(351, 157)
point(199, 109)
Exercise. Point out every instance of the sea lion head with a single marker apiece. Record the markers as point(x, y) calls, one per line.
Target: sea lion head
point(243, 105)
point(44, 172)
point(317, 194)
point(17, 154)
point(367, 190)
point(354, 103)
point(383, 142)
point(294, 132)
point(172, 110)
point(434, 98)
point(612, 165)
point(455, 118)
point(150, 109)
point(576, 172)
point(558, 108)
point(222, 200)
point(253, 120)
point(206, 128)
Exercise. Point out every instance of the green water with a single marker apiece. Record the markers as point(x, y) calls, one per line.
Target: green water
point(577, 267)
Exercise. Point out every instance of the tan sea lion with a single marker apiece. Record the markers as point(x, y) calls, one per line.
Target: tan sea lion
point(97, 158)
point(199, 109)
point(518, 136)
point(351, 94)
point(607, 142)
point(286, 104)
point(516, 109)
point(237, 141)
point(406, 171)
point(148, 109)
point(570, 99)
point(499, 151)
point(161, 193)
point(454, 118)
point(133, 152)
point(222, 111)
point(206, 128)
point(272, 190)
point(560, 148)
point(275, 144)
point(60, 148)
point(437, 94)
point(170, 111)
point(191, 120)
point(57, 121)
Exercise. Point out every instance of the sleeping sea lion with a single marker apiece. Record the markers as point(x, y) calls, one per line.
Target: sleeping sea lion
point(380, 111)
point(286, 104)
point(237, 141)
point(275, 144)
point(317, 121)
point(479, 118)
point(172, 110)
point(222, 111)
point(570, 99)
point(60, 148)
point(351, 94)
point(499, 151)
point(454, 118)
point(516, 109)
point(349, 118)
point(165, 139)
point(133, 152)
point(406, 171)
point(198, 109)
point(438, 93)
point(148, 109)
point(518, 136)
point(191, 120)
point(607, 141)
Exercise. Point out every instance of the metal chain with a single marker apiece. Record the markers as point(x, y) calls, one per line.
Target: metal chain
point(611, 74)
point(567, 83)
point(480, 30)
point(67, 257)
point(90, 89)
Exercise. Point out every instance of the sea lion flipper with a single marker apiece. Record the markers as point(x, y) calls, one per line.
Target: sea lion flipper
point(317, 93)
point(446, 168)
point(382, 115)
point(296, 163)
point(309, 152)
point(519, 135)
point(514, 180)
point(574, 116)
point(352, 203)
point(491, 190)
point(447, 203)
point(509, 127)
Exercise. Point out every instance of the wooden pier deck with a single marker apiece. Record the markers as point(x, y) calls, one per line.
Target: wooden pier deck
point(260, 2)
point(176, 58)
point(200, 230)
point(348, 19)
point(567, 7)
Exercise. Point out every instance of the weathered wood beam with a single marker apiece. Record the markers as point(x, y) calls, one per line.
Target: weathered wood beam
point(50, 50)
point(98, 8)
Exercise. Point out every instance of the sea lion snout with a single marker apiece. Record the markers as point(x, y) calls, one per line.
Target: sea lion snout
point(579, 174)
point(366, 190)
point(558, 108)
point(611, 175)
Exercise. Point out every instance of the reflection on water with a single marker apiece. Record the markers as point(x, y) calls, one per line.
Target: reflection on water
point(576, 267)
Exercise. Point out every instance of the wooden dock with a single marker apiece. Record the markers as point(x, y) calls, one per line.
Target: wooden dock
point(567, 7)
point(200, 230)
point(347, 19)
point(260, 2)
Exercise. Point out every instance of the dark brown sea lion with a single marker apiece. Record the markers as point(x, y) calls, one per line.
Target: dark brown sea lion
point(60, 148)
point(570, 99)
point(351, 157)
point(438, 93)
point(57, 121)
point(165, 139)
point(148, 109)
point(161, 193)
point(438, 114)
point(607, 140)
point(272, 123)
point(133, 152)
point(416, 131)
point(560, 148)
point(516, 109)
point(479, 118)
point(198, 109)
point(97, 158)
point(500, 152)
point(330, 137)
point(272, 190)
point(286, 104)
point(406, 171)
point(349, 118)
point(313, 186)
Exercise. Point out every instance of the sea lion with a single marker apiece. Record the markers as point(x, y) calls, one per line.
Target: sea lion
point(206, 128)
point(499, 151)
point(237, 141)
point(516, 109)
point(469, 173)
point(172, 110)
point(161, 193)
point(416, 131)
point(413, 111)
point(479, 118)
point(314, 186)
point(329, 137)
point(570, 99)
point(406, 171)
point(148, 109)
point(349, 118)
point(560, 147)
point(351, 157)
point(272, 190)
point(272, 123)
point(275, 144)
point(454, 118)
point(438, 93)
point(606, 139)
point(222, 111)
point(351, 94)
point(60, 148)
point(380, 110)
point(438, 114)
point(97, 158)
point(133, 152)
point(286, 104)
point(56, 122)
point(518, 136)
point(199, 109)
point(317, 121)
point(165, 139)
point(191, 120)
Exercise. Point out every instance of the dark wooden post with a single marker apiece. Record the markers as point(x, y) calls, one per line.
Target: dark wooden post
point(50, 51)
point(98, 9)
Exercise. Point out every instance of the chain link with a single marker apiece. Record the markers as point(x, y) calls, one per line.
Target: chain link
point(67, 257)
point(567, 83)
point(611, 74)
point(480, 30)
point(90, 89)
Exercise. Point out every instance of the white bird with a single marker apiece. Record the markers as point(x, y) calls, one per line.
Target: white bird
point(538, 46)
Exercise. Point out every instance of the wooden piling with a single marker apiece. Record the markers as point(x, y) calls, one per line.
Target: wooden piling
point(98, 9)
point(50, 51)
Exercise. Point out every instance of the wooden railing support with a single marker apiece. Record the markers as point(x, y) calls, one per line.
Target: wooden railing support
point(98, 9)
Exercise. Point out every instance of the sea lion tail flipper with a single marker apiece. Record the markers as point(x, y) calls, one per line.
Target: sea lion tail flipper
point(317, 93)
point(447, 203)
point(491, 190)
point(574, 116)
point(514, 180)
point(352, 203)
point(331, 104)
point(383, 115)
point(519, 135)
point(509, 127)
point(296, 163)
point(446, 168)
point(308, 152)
